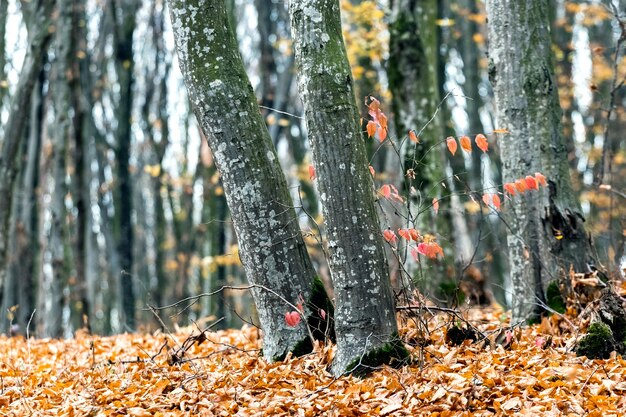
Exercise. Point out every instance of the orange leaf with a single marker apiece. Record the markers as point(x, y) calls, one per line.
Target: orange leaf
point(414, 234)
point(405, 234)
point(311, 172)
point(382, 120)
point(520, 186)
point(501, 131)
point(466, 144)
point(541, 179)
point(509, 187)
point(531, 183)
point(390, 236)
point(413, 136)
point(481, 142)
point(371, 128)
point(372, 171)
point(382, 133)
point(436, 205)
point(385, 190)
point(451, 143)
point(487, 199)
point(495, 199)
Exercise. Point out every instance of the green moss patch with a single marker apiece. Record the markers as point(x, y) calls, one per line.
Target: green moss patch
point(554, 298)
point(392, 353)
point(598, 343)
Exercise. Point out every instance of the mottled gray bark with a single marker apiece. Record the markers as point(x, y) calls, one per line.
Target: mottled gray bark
point(270, 242)
point(38, 40)
point(365, 320)
point(546, 235)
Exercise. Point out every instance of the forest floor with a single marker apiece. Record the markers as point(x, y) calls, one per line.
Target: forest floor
point(534, 372)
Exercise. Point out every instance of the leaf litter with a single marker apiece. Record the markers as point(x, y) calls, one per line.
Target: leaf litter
point(533, 372)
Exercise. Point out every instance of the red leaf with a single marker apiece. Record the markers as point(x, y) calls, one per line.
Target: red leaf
point(311, 172)
point(509, 187)
point(541, 179)
point(481, 142)
point(451, 143)
point(466, 144)
point(520, 186)
point(531, 183)
point(322, 313)
point(414, 234)
point(292, 318)
point(385, 191)
point(495, 199)
point(487, 199)
point(436, 205)
point(413, 136)
point(390, 236)
point(405, 234)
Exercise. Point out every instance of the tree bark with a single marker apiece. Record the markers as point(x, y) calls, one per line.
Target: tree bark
point(365, 320)
point(271, 246)
point(4, 84)
point(39, 37)
point(124, 15)
point(546, 235)
point(413, 82)
point(20, 288)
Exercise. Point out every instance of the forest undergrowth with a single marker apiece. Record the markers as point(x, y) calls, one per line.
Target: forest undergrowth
point(501, 369)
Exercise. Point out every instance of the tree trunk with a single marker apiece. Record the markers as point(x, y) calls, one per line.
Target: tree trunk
point(4, 12)
point(271, 246)
point(365, 321)
point(413, 81)
point(77, 82)
point(124, 66)
point(20, 287)
point(546, 235)
point(38, 39)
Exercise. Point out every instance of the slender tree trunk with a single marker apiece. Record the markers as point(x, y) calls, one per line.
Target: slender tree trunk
point(365, 321)
point(38, 40)
point(77, 82)
point(4, 83)
point(546, 235)
point(271, 246)
point(20, 287)
point(124, 66)
point(413, 81)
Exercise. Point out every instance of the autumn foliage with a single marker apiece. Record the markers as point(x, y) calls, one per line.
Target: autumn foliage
point(529, 371)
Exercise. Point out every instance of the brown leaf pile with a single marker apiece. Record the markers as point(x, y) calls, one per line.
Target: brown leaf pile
point(224, 375)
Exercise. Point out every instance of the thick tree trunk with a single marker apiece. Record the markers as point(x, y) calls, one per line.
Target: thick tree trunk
point(365, 321)
point(271, 246)
point(546, 235)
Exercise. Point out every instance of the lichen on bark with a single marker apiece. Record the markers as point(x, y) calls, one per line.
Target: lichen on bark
point(271, 246)
point(365, 314)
